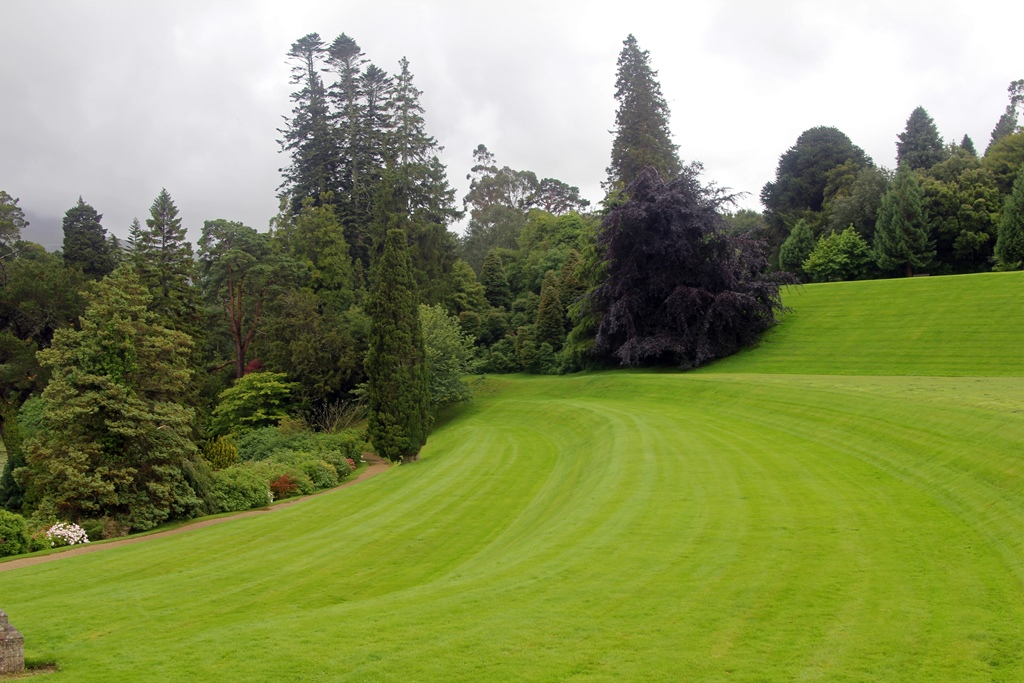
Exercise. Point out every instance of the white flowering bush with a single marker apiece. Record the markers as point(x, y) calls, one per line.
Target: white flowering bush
point(62, 534)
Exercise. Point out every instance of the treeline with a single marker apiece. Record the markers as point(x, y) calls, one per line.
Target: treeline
point(833, 214)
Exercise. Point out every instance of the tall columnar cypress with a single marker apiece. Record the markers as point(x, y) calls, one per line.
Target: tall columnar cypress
point(1010, 240)
point(495, 282)
point(398, 387)
point(901, 233)
point(550, 313)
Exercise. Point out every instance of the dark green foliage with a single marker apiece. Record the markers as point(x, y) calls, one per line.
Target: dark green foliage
point(676, 289)
point(550, 323)
point(642, 138)
point(115, 433)
point(797, 247)
point(857, 204)
point(1003, 159)
point(495, 283)
point(967, 145)
point(258, 399)
point(163, 258)
point(397, 382)
point(919, 146)
point(12, 496)
point(270, 443)
point(321, 473)
point(901, 234)
point(85, 241)
point(14, 538)
point(838, 256)
point(962, 204)
point(1010, 243)
point(1007, 123)
point(12, 219)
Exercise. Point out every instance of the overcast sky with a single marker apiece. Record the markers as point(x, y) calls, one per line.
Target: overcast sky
point(113, 100)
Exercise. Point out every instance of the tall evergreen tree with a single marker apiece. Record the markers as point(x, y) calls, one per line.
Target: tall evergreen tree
point(901, 234)
point(85, 241)
point(308, 136)
point(967, 144)
point(115, 434)
point(162, 255)
point(398, 389)
point(1010, 241)
point(919, 146)
point(1007, 123)
point(550, 323)
point(495, 282)
point(12, 219)
point(642, 137)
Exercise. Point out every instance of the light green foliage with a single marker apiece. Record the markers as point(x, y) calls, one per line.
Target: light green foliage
point(901, 234)
point(449, 353)
point(14, 538)
point(259, 399)
point(240, 488)
point(797, 247)
point(1010, 243)
point(838, 256)
point(220, 452)
point(398, 385)
point(115, 432)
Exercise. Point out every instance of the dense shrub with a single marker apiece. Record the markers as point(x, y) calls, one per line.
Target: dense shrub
point(283, 487)
point(14, 538)
point(240, 488)
point(267, 442)
point(220, 452)
point(322, 473)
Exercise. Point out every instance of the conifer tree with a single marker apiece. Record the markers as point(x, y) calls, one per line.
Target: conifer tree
point(642, 137)
point(919, 146)
point(1010, 240)
point(1007, 123)
point(550, 313)
point(495, 283)
point(85, 241)
point(162, 257)
point(967, 144)
point(308, 136)
point(398, 389)
point(901, 233)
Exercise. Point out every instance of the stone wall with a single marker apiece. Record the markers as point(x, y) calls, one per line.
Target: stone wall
point(12, 647)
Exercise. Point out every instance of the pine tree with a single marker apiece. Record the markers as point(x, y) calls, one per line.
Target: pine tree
point(1007, 123)
point(967, 144)
point(901, 233)
point(308, 136)
point(919, 146)
point(398, 387)
point(162, 255)
point(495, 283)
point(550, 323)
point(642, 137)
point(1010, 241)
point(85, 241)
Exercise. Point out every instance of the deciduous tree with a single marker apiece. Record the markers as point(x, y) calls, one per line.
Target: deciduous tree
point(1010, 243)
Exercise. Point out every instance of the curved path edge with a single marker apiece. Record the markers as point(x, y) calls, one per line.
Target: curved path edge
point(375, 467)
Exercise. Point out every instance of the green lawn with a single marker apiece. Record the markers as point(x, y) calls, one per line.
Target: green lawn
point(746, 525)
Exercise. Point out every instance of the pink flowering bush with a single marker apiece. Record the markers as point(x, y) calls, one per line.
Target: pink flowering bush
point(62, 534)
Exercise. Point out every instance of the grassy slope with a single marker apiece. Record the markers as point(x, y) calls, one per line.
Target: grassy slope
point(948, 326)
point(621, 526)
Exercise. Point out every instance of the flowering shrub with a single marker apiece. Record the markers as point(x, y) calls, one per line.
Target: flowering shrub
point(62, 534)
point(283, 486)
